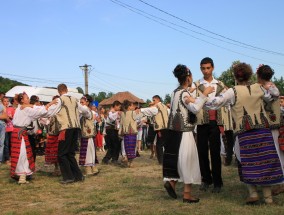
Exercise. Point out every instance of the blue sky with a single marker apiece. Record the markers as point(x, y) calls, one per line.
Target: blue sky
point(43, 42)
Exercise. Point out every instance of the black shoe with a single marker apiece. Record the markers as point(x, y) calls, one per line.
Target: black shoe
point(80, 179)
point(104, 161)
point(204, 186)
point(228, 161)
point(216, 189)
point(114, 162)
point(68, 181)
point(170, 190)
point(190, 201)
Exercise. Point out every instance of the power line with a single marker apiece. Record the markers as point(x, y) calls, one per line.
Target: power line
point(211, 32)
point(180, 26)
point(39, 79)
point(180, 31)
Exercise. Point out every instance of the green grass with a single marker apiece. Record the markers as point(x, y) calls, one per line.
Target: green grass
point(118, 190)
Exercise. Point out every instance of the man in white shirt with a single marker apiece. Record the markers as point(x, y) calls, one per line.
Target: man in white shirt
point(208, 133)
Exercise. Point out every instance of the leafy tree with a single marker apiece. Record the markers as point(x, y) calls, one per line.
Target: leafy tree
point(227, 77)
point(280, 84)
point(6, 84)
point(80, 90)
point(167, 99)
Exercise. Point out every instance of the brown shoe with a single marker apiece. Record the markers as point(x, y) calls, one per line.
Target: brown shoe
point(252, 200)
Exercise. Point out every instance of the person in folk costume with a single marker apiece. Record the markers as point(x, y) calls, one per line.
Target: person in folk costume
point(128, 129)
point(112, 140)
point(180, 156)
point(264, 75)
point(208, 130)
point(160, 114)
point(51, 149)
point(259, 163)
point(67, 111)
point(36, 132)
point(100, 128)
point(88, 133)
point(22, 160)
point(151, 134)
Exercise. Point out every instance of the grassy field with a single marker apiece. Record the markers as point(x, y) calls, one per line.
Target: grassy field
point(119, 190)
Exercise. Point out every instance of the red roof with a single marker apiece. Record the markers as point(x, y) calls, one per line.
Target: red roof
point(121, 96)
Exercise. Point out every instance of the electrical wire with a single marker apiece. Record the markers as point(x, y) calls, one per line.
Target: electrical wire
point(185, 33)
point(211, 32)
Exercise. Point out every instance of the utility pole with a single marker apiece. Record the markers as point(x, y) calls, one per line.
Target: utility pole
point(85, 68)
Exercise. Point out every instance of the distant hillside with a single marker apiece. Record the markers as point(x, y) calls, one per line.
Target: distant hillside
point(6, 84)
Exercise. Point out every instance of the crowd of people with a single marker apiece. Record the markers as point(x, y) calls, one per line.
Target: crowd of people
point(204, 118)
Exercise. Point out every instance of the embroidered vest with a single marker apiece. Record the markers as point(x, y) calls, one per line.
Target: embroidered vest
point(248, 111)
point(180, 118)
point(53, 126)
point(273, 113)
point(161, 119)
point(128, 125)
point(203, 115)
point(68, 116)
point(87, 127)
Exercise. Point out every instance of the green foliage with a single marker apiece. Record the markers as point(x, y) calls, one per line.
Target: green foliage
point(80, 90)
point(280, 84)
point(167, 99)
point(101, 96)
point(6, 84)
point(227, 77)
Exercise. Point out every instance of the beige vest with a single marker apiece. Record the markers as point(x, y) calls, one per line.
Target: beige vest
point(203, 115)
point(88, 127)
point(68, 116)
point(180, 118)
point(53, 126)
point(274, 114)
point(161, 119)
point(227, 118)
point(248, 111)
point(128, 124)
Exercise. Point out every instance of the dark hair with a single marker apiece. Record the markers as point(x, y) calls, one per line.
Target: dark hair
point(181, 72)
point(34, 99)
point(62, 87)
point(242, 72)
point(126, 103)
point(157, 97)
point(55, 97)
point(265, 72)
point(20, 97)
point(116, 103)
point(88, 98)
point(207, 60)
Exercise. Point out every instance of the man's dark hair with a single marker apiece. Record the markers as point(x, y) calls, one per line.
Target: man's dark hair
point(116, 103)
point(207, 60)
point(157, 97)
point(62, 88)
point(34, 99)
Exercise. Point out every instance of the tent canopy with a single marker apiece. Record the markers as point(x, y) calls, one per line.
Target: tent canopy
point(44, 94)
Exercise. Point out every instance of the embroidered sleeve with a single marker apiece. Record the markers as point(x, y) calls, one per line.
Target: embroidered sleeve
point(225, 99)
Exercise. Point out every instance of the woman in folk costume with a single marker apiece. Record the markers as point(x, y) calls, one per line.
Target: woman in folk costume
point(51, 148)
point(264, 75)
point(87, 149)
point(128, 129)
point(180, 156)
point(22, 161)
point(100, 129)
point(259, 164)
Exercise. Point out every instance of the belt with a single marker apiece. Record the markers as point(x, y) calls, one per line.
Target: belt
point(22, 129)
